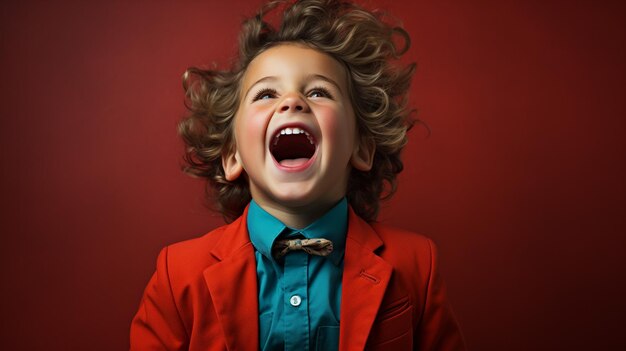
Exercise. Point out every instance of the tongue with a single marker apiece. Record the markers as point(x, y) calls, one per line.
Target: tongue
point(293, 162)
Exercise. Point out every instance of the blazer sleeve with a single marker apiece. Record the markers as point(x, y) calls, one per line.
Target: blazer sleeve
point(438, 329)
point(158, 325)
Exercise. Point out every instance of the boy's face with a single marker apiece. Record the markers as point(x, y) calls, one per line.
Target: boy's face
point(295, 131)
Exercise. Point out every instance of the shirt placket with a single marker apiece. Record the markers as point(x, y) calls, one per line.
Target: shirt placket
point(296, 301)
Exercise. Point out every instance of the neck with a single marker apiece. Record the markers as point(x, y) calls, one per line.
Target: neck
point(297, 217)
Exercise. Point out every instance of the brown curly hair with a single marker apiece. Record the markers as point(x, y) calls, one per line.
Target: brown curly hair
point(359, 39)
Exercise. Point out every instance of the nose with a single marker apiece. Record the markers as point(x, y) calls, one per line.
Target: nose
point(293, 103)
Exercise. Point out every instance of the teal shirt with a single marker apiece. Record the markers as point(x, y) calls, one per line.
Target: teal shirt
point(300, 294)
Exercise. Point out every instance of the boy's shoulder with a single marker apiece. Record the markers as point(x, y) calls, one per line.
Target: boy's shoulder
point(198, 246)
point(402, 242)
point(192, 256)
point(389, 235)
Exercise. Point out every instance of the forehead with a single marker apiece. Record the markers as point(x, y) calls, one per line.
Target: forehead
point(294, 61)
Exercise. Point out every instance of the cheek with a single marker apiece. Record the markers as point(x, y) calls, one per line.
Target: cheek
point(339, 128)
point(250, 128)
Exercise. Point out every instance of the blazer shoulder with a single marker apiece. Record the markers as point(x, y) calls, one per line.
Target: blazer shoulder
point(402, 238)
point(199, 244)
point(194, 255)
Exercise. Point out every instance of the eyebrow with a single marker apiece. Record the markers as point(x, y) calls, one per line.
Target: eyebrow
point(308, 78)
point(324, 78)
point(264, 79)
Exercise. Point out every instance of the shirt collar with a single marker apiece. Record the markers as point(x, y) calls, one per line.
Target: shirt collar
point(265, 228)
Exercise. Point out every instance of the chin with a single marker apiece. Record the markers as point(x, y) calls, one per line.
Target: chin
point(294, 196)
point(308, 201)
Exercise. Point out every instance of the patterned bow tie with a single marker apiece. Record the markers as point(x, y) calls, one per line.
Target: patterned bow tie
point(318, 247)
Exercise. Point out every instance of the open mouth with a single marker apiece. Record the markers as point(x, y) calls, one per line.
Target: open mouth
point(292, 147)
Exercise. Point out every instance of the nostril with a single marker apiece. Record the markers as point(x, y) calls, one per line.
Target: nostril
point(284, 108)
point(299, 108)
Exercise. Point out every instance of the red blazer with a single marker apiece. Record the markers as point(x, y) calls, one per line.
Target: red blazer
point(203, 295)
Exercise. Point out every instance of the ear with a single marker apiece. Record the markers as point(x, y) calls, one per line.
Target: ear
point(232, 165)
point(363, 154)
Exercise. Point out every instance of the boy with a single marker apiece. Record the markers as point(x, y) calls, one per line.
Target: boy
point(297, 142)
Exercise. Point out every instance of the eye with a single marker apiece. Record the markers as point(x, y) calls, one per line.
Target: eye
point(318, 92)
point(265, 94)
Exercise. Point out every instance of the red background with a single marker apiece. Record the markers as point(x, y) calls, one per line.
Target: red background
point(522, 182)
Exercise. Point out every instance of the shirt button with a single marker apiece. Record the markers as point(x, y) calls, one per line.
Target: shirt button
point(295, 300)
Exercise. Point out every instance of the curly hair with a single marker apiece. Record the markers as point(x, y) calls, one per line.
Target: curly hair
point(359, 39)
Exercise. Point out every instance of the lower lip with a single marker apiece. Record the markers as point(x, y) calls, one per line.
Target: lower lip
point(298, 168)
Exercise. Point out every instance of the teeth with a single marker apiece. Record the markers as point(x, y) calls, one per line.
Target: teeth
point(289, 131)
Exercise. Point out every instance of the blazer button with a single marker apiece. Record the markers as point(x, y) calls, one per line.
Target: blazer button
point(295, 300)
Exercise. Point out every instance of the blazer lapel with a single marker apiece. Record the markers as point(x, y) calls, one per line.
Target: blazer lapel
point(365, 279)
point(232, 283)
